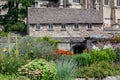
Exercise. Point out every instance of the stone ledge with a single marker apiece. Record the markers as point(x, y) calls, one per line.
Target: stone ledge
point(108, 78)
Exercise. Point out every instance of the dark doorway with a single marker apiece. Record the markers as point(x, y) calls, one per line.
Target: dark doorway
point(53, 3)
point(78, 49)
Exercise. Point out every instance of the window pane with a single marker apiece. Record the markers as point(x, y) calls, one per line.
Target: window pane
point(63, 27)
point(76, 26)
point(105, 2)
point(118, 2)
point(37, 26)
point(76, 1)
point(89, 26)
point(119, 21)
point(50, 27)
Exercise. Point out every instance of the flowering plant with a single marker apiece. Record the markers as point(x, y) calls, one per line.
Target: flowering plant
point(63, 52)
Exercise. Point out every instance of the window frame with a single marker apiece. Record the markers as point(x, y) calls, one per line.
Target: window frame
point(76, 27)
point(118, 21)
point(89, 27)
point(106, 3)
point(37, 27)
point(63, 27)
point(50, 27)
point(76, 1)
point(118, 3)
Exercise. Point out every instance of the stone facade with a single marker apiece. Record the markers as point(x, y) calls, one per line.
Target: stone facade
point(71, 24)
point(110, 9)
point(70, 30)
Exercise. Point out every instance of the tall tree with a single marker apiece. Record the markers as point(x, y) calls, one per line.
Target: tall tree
point(17, 11)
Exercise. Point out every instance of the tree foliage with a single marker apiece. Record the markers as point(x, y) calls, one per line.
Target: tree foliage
point(17, 12)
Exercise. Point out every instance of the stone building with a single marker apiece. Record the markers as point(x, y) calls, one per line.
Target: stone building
point(69, 25)
point(73, 21)
point(110, 9)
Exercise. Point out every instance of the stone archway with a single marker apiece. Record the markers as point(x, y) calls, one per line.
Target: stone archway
point(77, 49)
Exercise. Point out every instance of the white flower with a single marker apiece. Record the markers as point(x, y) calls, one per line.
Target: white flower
point(95, 47)
point(107, 46)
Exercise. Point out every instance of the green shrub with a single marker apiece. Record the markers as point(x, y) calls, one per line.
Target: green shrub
point(49, 40)
point(44, 50)
point(25, 46)
point(82, 59)
point(116, 69)
point(117, 50)
point(112, 54)
point(97, 70)
point(65, 68)
point(12, 77)
point(9, 64)
point(38, 69)
point(18, 26)
point(103, 55)
point(3, 34)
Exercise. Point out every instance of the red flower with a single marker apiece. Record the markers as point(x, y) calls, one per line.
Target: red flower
point(63, 52)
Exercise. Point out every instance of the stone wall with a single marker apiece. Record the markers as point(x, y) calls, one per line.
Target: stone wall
point(4, 43)
point(64, 46)
point(69, 32)
point(108, 78)
point(4, 40)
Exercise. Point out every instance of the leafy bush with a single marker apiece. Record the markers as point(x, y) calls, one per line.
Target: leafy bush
point(103, 55)
point(44, 50)
point(38, 69)
point(97, 70)
point(9, 64)
point(112, 54)
point(12, 77)
point(3, 34)
point(82, 59)
point(116, 69)
point(25, 46)
point(49, 40)
point(18, 26)
point(65, 68)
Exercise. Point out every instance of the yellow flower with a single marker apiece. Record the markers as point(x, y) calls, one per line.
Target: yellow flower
point(4, 49)
point(16, 52)
point(28, 44)
point(31, 51)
